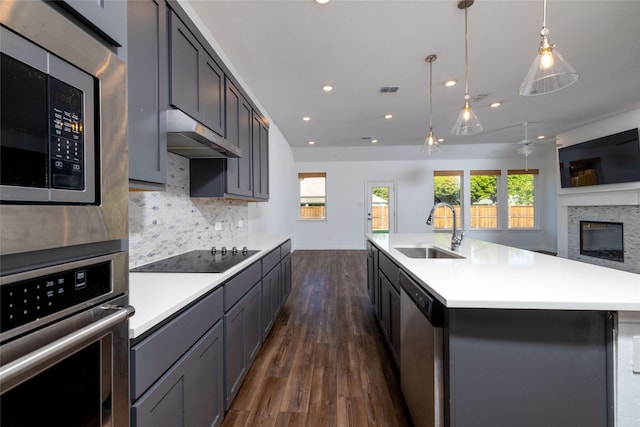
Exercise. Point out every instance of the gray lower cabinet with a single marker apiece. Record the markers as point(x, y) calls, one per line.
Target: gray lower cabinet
point(148, 87)
point(388, 292)
point(390, 315)
point(285, 276)
point(189, 394)
point(372, 272)
point(271, 300)
point(242, 340)
point(177, 376)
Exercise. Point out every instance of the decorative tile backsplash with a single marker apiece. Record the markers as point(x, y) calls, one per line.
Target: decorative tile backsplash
point(629, 216)
point(165, 223)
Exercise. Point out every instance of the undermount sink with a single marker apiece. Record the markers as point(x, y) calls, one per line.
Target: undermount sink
point(428, 252)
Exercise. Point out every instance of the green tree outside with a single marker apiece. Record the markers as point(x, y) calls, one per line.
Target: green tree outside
point(382, 192)
point(447, 189)
point(520, 189)
point(484, 187)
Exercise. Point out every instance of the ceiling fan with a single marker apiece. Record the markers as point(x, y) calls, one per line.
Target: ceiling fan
point(526, 146)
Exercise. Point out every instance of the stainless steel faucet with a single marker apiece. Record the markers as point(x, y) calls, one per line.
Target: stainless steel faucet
point(456, 238)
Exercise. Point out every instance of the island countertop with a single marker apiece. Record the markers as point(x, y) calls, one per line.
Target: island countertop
point(497, 276)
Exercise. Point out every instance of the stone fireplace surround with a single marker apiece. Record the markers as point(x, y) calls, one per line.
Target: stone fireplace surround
point(608, 203)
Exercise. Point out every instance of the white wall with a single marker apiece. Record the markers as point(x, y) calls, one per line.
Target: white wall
point(278, 215)
point(344, 227)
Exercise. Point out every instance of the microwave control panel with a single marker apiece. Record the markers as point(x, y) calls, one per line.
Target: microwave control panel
point(66, 136)
point(33, 299)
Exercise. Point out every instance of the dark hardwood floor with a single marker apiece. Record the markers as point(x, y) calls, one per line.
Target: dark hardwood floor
point(325, 362)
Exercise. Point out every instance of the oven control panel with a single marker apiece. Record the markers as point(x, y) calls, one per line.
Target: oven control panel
point(35, 298)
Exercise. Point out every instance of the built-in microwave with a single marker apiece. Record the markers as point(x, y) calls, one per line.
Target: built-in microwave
point(47, 143)
point(63, 143)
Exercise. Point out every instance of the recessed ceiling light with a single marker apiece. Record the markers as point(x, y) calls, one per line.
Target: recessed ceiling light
point(496, 104)
point(311, 142)
point(540, 136)
point(306, 118)
point(373, 141)
point(322, 1)
point(450, 83)
point(388, 116)
point(327, 88)
point(440, 139)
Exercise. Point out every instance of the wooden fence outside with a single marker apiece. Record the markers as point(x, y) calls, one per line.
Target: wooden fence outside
point(486, 216)
point(482, 216)
point(312, 212)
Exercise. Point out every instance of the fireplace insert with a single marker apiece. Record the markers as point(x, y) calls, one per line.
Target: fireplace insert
point(602, 240)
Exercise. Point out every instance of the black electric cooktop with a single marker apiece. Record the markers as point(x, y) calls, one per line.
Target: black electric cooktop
point(196, 262)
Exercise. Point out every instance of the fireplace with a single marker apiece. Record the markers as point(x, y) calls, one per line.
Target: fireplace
point(605, 235)
point(601, 239)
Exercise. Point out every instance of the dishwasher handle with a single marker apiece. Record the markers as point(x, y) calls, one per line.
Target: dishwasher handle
point(429, 306)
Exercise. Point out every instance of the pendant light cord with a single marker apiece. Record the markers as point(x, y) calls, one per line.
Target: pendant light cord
point(430, 93)
point(466, 55)
point(544, 14)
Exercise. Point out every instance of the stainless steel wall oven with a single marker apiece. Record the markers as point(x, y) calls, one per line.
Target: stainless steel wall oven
point(63, 222)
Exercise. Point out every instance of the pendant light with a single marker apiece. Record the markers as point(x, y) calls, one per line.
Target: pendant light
point(430, 145)
point(467, 123)
point(550, 71)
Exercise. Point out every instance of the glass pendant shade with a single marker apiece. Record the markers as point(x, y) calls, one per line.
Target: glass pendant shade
point(467, 123)
point(430, 145)
point(548, 73)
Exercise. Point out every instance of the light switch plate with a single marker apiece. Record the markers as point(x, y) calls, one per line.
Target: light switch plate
point(217, 226)
point(635, 354)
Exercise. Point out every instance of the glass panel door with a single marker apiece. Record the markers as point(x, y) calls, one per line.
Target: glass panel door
point(380, 203)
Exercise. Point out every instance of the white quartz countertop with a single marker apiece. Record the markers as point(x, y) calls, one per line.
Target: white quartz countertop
point(157, 296)
point(497, 276)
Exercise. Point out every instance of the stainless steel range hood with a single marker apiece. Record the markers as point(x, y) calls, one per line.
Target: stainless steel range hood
point(190, 138)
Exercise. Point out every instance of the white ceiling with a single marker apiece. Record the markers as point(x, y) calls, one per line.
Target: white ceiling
point(287, 50)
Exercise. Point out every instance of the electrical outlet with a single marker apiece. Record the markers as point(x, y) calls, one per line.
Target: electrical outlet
point(241, 223)
point(217, 226)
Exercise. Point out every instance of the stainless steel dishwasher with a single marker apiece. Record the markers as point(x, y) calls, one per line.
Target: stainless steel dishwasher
point(421, 353)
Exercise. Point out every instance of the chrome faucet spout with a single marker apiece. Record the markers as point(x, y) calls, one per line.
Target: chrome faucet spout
point(456, 238)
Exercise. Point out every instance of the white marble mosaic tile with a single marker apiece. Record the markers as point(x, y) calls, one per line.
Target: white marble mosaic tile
point(165, 223)
point(629, 216)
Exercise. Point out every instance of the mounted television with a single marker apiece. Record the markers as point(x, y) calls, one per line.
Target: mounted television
point(608, 160)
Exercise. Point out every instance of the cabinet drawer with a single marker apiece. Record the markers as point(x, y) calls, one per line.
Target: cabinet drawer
point(239, 285)
point(154, 355)
point(270, 260)
point(285, 248)
point(390, 270)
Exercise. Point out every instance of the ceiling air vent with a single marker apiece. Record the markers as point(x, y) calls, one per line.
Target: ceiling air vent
point(389, 89)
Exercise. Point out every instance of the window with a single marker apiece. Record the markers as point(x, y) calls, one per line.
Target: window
point(447, 188)
point(521, 191)
point(483, 209)
point(313, 195)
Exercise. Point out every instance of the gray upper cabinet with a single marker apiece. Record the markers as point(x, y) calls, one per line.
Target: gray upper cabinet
point(238, 130)
point(108, 18)
point(260, 146)
point(148, 93)
point(244, 178)
point(196, 81)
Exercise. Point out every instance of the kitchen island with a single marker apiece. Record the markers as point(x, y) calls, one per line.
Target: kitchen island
point(528, 339)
